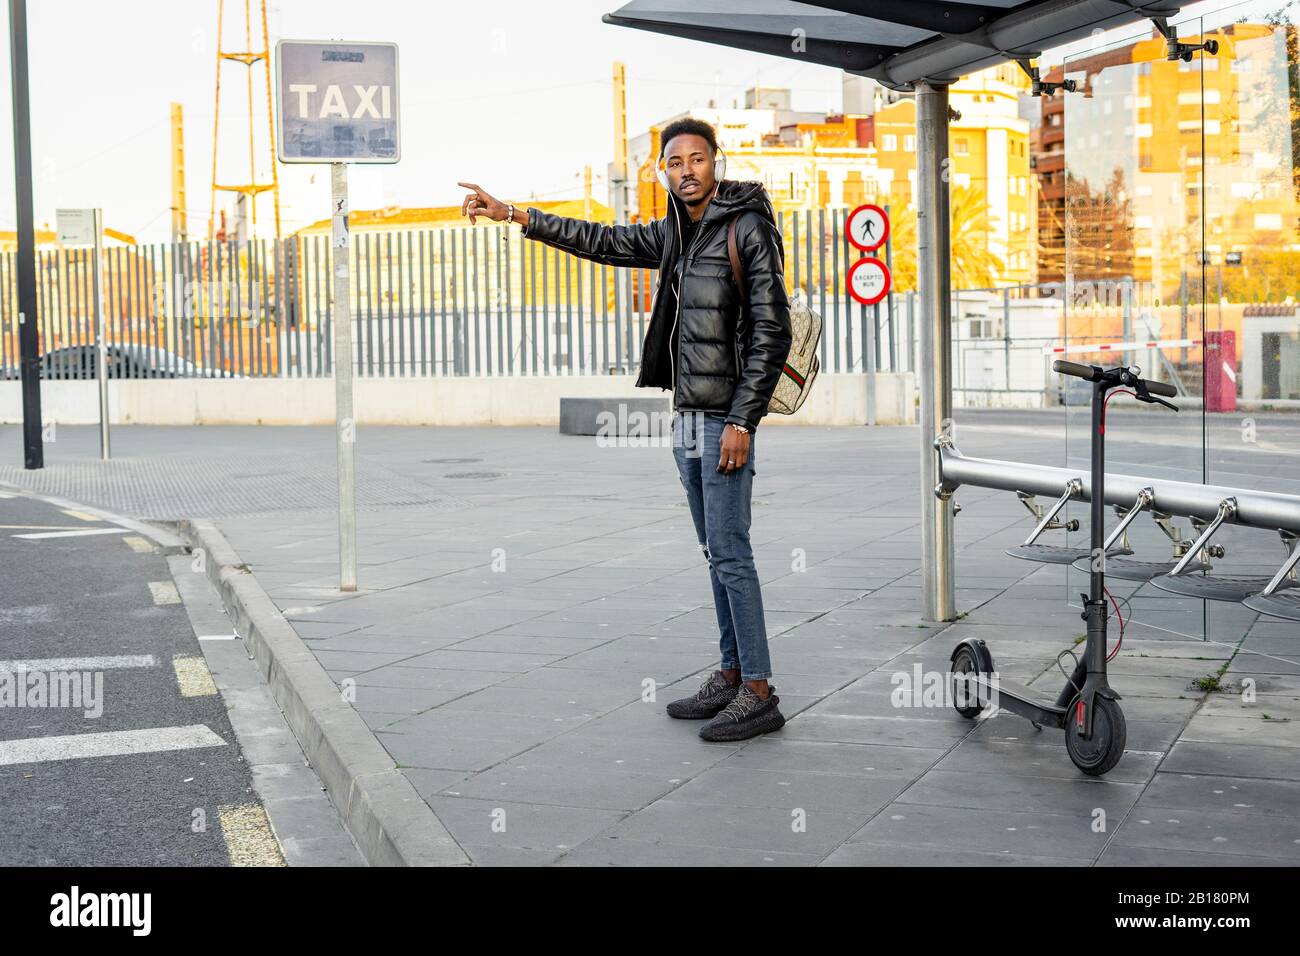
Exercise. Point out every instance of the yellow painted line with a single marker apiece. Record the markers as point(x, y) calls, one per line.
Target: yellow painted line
point(164, 592)
point(248, 837)
point(138, 544)
point(81, 515)
point(193, 676)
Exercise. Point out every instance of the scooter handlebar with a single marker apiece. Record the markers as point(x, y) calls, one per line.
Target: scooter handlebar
point(1075, 369)
point(1091, 373)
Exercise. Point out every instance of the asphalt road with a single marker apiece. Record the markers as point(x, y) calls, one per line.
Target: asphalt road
point(146, 772)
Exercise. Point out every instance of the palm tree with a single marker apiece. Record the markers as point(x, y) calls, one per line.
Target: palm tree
point(973, 265)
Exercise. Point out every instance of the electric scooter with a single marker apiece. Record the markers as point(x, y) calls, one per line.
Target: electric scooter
point(1087, 708)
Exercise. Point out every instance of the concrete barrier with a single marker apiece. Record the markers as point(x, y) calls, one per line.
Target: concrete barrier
point(836, 399)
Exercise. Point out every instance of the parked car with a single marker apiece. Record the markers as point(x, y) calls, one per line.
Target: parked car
point(124, 361)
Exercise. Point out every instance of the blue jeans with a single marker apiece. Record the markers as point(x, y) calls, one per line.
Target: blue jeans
point(720, 506)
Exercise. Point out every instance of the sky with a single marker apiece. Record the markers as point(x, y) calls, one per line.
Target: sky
point(516, 96)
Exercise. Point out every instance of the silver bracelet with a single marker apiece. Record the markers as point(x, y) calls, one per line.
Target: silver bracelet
point(510, 216)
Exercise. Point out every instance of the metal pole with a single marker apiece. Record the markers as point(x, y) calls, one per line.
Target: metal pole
point(870, 341)
point(345, 426)
point(889, 302)
point(25, 260)
point(933, 279)
point(101, 347)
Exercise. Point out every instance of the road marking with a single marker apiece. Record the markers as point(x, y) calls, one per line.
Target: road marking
point(78, 663)
point(40, 527)
point(113, 743)
point(193, 676)
point(71, 513)
point(218, 637)
point(164, 592)
point(71, 534)
point(138, 544)
point(248, 836)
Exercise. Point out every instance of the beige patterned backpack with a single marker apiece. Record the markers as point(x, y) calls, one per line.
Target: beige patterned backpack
point(802, 364)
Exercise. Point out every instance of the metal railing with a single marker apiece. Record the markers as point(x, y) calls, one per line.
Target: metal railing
point(456, 300)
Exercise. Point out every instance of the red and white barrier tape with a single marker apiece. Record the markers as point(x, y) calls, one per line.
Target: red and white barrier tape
point(1119, 346)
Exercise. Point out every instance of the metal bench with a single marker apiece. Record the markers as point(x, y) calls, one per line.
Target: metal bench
point(1207, 507)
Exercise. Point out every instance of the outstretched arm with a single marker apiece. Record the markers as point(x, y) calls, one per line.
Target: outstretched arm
point(640, 244)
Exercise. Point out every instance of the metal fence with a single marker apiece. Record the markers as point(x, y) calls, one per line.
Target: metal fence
point(457, 300)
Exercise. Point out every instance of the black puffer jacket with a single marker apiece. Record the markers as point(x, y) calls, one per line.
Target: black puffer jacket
point(723, 365)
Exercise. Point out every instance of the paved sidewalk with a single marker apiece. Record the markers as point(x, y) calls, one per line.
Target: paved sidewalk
point(523, 593)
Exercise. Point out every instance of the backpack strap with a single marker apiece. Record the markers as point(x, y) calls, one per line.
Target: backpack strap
point(737, 270)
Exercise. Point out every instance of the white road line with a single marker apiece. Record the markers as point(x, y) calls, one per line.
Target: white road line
point(78, 663)
point(218, 637)
point(114, 743)
point(39, 527)
point(71, 534)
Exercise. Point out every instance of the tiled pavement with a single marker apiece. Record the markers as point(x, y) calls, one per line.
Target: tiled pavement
point(514, 646)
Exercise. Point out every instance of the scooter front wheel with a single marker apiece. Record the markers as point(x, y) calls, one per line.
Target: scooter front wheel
point(1109, 735)
point(966, 695)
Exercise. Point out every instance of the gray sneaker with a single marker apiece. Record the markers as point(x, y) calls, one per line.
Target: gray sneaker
point(747, 716)
point(714, 694)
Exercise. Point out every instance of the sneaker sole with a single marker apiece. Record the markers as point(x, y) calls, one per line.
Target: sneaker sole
point(733, 732)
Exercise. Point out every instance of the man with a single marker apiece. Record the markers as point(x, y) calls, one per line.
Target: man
point(721, 363)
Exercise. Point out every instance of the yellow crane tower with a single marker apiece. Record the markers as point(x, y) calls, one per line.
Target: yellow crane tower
point(251, 189)
point(180, 229)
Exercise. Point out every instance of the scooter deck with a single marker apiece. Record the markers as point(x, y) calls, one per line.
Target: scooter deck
point(1018, 699)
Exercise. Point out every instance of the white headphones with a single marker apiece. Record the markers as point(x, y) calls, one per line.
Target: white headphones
point(719, 168)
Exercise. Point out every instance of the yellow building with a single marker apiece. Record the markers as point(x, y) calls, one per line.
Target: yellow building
point(994, 198)
point(47, 238)
point(1183, 176)
point(1212, 124)
point(828, 164)
point(797, 178)
point(429, 254)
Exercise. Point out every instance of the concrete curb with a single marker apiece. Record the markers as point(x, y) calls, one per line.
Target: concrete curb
point(168, 543)
point(388, 819)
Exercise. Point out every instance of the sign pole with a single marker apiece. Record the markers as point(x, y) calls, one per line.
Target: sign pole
point(345, 426)
point(336, 103)
point(867, 228)
point(25, 260)
point(101, 347)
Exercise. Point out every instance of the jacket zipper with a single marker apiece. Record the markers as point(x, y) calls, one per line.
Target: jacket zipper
point(677, 311)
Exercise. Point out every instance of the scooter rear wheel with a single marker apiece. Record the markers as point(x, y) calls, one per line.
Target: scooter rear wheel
point(964, 667)
point(1109, 735)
